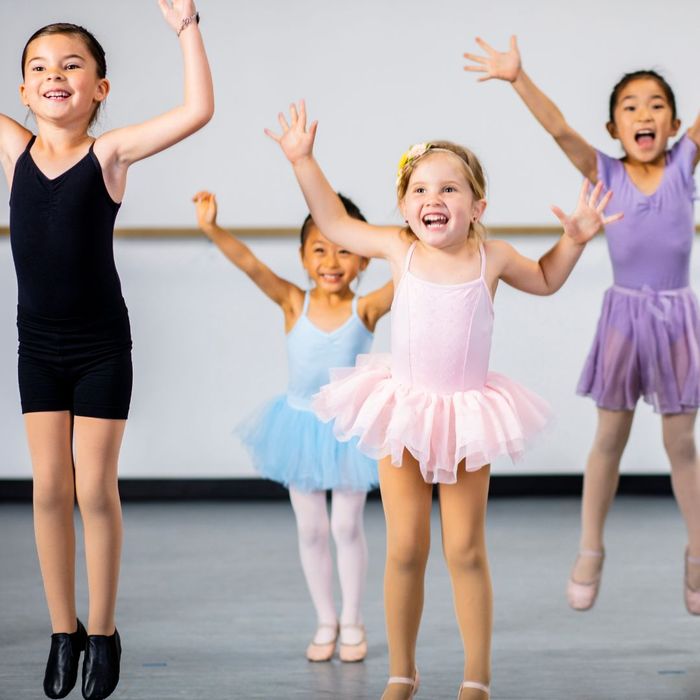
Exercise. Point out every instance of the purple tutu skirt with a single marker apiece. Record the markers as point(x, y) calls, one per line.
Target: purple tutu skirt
point(647, 344)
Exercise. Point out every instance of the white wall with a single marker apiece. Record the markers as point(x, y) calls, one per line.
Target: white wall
point(379, 75)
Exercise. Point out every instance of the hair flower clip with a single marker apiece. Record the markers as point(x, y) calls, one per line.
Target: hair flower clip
point(413, 153)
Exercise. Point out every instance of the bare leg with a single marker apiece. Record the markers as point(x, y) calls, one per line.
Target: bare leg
point(463, 517)
point(679, 441)
point(599, 486)
point(407, 501)
point(313, 530)
point(97, 444)
point(349, 535)
point(49, 437)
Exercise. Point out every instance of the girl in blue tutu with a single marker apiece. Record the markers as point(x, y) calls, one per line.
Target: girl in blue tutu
point(327, 326)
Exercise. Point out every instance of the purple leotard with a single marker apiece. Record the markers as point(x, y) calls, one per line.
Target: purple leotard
point(648, 337)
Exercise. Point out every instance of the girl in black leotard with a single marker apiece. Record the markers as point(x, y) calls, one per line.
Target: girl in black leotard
point(74, 337)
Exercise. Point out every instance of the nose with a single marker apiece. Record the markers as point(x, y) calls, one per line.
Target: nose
point(55, 73)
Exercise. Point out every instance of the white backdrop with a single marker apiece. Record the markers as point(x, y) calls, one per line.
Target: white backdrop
point(379, 75)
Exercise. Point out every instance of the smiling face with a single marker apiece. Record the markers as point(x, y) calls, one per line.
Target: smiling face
point(331, 267)
point(61, 81)
point(643, 120)
point(439, 205)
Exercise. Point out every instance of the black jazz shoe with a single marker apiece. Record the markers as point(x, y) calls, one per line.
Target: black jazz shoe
point(101, 665)
point(62, 666)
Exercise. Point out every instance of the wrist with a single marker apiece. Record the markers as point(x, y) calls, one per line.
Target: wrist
point(303, 160)
point(191, 20)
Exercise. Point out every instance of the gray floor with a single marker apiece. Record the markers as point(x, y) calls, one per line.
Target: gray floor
point(212, 605)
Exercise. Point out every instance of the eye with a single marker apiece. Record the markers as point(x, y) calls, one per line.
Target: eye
point(344, 252)
point(419, 190)
point(37, 69)
point(629, 108)
point(318, 250)
point(72, 66)
point(659, 105)
point(449, 188)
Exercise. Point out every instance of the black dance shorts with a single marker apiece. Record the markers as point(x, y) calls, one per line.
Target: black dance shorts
point(77, 365)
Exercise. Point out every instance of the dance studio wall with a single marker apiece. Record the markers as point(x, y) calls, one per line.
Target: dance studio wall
point(379, 75)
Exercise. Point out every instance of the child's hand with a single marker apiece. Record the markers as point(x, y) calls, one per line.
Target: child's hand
point(500, 65)
point(588, 217)
point(205, 205)
point(176, 10)
point(296, 142)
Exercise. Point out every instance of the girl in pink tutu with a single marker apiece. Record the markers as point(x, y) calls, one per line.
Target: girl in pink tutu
point(648, 338)
point(432, 407)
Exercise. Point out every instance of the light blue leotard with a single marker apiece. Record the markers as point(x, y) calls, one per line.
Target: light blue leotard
point(287, 442)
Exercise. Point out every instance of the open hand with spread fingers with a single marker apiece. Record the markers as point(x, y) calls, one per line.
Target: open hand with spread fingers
point(499, 65)
point(296, 141)
point(588, 217)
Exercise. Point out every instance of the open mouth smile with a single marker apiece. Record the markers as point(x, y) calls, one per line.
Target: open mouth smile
point(435, 221)
point(57, 95)
point(645, 138)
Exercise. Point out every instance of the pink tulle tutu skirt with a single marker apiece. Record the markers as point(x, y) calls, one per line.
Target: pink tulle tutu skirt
point(439, 430)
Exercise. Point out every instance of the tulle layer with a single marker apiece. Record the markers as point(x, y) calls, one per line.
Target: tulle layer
point(294, 448)
point(439, 430)
point(647, 344)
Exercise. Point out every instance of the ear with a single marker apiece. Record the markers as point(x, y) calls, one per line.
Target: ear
point(23, 95)
point(478, 209)
point(103, 88)
point(612, 130)
point(402, 209)
point(363, 264)
point(675, 126)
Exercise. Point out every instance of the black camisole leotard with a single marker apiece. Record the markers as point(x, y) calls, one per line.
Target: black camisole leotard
point(74, 336)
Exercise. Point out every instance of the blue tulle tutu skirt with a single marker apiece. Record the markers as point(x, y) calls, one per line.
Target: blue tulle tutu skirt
point(293, 447)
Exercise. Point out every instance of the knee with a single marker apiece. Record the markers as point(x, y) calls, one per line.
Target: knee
point(53, 494)
point(347, 531)
point(407, 555)
point(609, 445)
point(97, 498)
point(467, 555)
point(681, 448)
point(312, 533)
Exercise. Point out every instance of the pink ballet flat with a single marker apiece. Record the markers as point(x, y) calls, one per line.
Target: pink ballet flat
point(477, 686)
point(692, 595)
point(403, 680)
point(352, 653)
point(582, 596)
point(322, 652)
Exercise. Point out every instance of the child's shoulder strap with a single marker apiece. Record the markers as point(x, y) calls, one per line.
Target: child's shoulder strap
point(409, 255)
point(305, 308)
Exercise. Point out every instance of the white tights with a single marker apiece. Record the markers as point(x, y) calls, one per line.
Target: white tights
point(314, 528)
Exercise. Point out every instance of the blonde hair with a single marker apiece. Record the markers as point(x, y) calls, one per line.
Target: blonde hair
point(471, 166)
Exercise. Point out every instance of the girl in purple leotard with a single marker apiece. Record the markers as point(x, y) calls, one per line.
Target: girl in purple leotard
point(648, 338)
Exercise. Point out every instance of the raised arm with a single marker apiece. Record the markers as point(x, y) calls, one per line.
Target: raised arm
point(546, 275)
point(376, 304)
point(120, 148)
point(278, 289)
point(324, 204)
point(694, 135)
point(13, 140)
point(507, 66)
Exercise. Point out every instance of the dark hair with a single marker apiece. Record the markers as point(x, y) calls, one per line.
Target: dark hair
point(350, 207)
point(642, 75)
point(93, 46)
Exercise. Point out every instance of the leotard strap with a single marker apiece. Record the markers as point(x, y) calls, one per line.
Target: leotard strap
point(409, 255)
point(305, 308)
point(482, 253)
point(354, 305)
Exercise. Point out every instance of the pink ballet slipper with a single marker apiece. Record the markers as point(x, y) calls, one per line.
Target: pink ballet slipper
point(582, 596)
point(323, 652)
point(352, 653)
point(692, 595)
point(402, 680)
point(477, 686)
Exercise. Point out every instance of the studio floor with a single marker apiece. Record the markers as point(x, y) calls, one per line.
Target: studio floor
point(212, 605)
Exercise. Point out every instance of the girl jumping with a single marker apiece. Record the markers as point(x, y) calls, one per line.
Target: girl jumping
point(75, 370)
point(432, 412)
point(648, 338)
